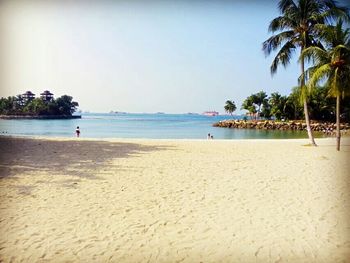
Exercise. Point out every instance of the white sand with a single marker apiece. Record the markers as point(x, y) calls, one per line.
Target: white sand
point(185, 201)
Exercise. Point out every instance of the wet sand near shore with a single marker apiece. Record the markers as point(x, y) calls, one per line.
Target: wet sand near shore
point(69, 200)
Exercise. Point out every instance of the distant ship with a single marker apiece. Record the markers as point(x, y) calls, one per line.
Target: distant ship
point(117, 112)
point(210, 113)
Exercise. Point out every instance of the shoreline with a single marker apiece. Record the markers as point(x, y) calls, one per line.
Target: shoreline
point(120, 139)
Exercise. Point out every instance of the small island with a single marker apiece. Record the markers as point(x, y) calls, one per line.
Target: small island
point(27, 106)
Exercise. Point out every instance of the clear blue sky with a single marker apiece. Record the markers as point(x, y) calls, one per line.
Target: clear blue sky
point(140, 56)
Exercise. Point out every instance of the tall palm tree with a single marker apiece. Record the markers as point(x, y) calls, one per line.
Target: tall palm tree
point(296, 28)
point(230, 106)
point(332, 64)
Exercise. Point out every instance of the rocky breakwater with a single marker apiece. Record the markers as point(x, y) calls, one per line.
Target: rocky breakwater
point(280, 125)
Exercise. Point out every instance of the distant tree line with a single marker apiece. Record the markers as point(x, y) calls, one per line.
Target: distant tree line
point(290, 107)
point(27, 104)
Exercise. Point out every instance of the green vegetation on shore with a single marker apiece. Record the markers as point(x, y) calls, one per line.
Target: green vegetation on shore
point(28, 105)
point(276, 106)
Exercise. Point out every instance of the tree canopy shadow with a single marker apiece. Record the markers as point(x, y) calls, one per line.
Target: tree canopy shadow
point(18, 155)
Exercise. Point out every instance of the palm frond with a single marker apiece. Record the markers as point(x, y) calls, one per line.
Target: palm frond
point(306, 74)
point(314, 54)
point(319, 74)
point(340, 48)
point(304, 94)
point(283, 56)
point(327, 33)
point(285, 5)
point(345, 81)
point(276, 41)
point(333, 35)
point(335, 89)
point(281, 23)
point(332, 11)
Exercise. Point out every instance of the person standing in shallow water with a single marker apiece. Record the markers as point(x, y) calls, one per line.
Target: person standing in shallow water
point(77, 131)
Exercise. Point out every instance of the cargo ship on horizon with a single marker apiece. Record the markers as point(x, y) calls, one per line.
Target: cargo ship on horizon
point(210, 113)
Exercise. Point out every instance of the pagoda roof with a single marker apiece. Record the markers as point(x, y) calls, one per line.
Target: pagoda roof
point(28, 93)
point(46, 93)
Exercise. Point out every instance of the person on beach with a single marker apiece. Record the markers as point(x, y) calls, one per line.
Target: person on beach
point(208, 137)
point(77, 131)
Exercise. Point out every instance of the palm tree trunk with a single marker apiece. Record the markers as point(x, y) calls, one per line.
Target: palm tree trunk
point(338, 122)
point(308, 126)
point(306, 110)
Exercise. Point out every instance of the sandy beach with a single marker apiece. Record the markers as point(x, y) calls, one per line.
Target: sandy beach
point(68, 200)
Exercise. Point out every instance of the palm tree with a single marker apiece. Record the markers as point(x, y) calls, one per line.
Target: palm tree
point(294, 104)
point(259, 99)
point(278, 103)
point(332, 64)
point(230, 106)
point(248, 104)
point(297, 29)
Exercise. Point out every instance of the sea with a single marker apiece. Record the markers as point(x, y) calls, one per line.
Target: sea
point(132, 125)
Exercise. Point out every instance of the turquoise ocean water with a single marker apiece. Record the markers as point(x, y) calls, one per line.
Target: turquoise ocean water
point(155, 126)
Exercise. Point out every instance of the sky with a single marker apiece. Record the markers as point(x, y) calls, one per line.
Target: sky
point(140, 56)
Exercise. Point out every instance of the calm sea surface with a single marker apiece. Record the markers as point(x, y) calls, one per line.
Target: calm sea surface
point(156, 126)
